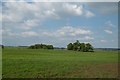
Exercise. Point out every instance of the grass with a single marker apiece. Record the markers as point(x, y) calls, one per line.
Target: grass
point(30, 63)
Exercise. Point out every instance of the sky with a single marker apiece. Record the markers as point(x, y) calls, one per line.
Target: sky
point(59, 23)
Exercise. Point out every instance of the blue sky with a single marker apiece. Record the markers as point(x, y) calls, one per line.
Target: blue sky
point(60, 23)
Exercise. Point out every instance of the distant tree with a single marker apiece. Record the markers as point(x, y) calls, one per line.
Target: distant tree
point(31, 47)
point(41, 46)
point(89, 47)
point(49, 46)
point(83, 47)
point(70, 46)
point(77, 42)
point(77, 46)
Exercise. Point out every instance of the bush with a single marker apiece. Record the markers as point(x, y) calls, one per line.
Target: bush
point(70, 46)
point(41, 46)
point(77, 46)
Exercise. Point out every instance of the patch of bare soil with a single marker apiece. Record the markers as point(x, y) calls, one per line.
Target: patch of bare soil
point(102, 70)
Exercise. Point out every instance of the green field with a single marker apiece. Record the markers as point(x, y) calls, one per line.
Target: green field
point(39, 63)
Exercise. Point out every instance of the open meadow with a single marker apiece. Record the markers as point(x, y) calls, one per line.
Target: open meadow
point(43, 63)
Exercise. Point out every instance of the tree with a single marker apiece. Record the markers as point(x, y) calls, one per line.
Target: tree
point(41, 46)
point(77, 46)
point(70, 46)
point(49, 46)
point(44, 46)
point(83, 47)
point(89, 47)
point(32, 47)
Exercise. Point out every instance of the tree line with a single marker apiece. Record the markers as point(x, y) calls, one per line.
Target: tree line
point(41, 46)
point(77, 46)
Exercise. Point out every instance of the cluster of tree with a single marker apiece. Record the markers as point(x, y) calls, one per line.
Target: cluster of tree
point(77, 46)
point(41, 46)
point(62, 48)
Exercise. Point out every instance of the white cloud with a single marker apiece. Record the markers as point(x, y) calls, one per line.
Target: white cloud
point(103, 41)
point(47, 34)
point(17, 11)
point(51, 13)
point(108, 31)
point(9, 32)
point(89, 14)
point(105, 8)
point(77, 10)
point(60, 1)
point(68, 31)
point(29, 24)
point(24, 16)
point(109, 27)
point(109, 24)
point(88, 38)
point(71, 31)
point(28, 34)
point(73, 9)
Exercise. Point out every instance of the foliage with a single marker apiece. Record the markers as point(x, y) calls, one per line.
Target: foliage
point(77, 46)
point(41, 46)
point(70, 46)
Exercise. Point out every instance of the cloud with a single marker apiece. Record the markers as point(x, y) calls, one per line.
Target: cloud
point(51, 13)
point(109, 24)
point(88, 38)
point(73, 9)
point(69, 32)
point(109, 27)
point(27, 16)
point(105, 8)
point(16, 11)
point(29, 34)
point(77, 10)
point(29, 24)
point(60, 1)
point(89, 14)
point(64, 33)
point(103, 41)
point(48, 34)
point(108, 31)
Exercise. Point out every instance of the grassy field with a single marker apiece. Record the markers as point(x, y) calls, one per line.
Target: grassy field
point(29, 63)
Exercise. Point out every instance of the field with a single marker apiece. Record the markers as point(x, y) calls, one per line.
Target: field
point(39, 63)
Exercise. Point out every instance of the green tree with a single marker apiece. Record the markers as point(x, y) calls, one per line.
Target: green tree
point(70, 46)
point(75, 45)
point(83, 47)
point(37, 46)
point(79, 47)
point(41, 46)
point(49, 46)
point(44, 46)
point(89, 47)
point(32, 47)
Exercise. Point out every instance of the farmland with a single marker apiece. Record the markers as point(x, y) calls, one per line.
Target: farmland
point(43, 63)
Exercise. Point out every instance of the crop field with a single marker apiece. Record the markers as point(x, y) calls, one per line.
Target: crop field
point(43, 63)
